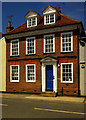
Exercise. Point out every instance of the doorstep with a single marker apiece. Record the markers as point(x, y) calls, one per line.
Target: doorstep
point(48, 94)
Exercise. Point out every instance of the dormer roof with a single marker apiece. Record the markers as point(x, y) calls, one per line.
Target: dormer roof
point(49, 9)
point(31, 13)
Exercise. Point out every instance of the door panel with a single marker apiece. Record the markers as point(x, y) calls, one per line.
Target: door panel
point(49, 77)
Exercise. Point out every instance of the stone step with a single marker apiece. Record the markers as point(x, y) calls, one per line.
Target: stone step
point(48, 94)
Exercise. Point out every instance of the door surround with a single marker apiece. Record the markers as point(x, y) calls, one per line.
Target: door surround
point(49, 61)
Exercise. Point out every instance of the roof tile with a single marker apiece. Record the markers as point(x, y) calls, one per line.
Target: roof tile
point(64, 20)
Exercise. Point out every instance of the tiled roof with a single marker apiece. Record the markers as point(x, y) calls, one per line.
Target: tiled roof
point(62, 21)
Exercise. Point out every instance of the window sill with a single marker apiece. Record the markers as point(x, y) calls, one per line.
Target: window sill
point(31, 81)
point(67, 82)
point(32, 26)
point(14, 55)
point(14, 81)
point(66, 52)
point(49, 53)
point(30, 54)
point(49, 23)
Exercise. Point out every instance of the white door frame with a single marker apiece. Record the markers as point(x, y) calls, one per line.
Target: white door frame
point(54, 63)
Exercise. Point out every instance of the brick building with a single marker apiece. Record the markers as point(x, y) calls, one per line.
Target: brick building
point(43, 54)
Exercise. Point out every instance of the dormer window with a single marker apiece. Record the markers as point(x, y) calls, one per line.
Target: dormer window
point(49, 19)
point(33, 18)
point(32, 22)
point(50, 15)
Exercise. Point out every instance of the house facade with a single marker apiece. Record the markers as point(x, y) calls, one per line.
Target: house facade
point(2, 64)
point(83, 64)
point(43, 54)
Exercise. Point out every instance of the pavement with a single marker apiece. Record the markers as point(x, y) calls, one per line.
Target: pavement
point(38, 97)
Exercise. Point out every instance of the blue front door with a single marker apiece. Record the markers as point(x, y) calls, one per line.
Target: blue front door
point(49, 77)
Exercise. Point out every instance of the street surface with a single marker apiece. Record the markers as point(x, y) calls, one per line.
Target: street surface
point(21, 107)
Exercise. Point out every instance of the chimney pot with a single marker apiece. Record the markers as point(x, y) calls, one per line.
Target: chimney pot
point(9, 28)
point(9, 24)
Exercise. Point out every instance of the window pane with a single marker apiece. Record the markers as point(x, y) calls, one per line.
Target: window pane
point(67, 72)
point(14, 49)
point(47, 18)
point(66, 41)
point(30, 72)
point(14, 73)
point(33, 21)
point(49, 44)
point(51, 18)
point(30, 46)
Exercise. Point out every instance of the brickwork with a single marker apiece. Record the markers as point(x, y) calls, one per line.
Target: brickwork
point(23, 59)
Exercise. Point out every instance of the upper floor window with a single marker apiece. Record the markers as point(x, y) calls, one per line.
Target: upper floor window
point(67, 42)
point(30, 73)
point(49, 19)
point(30, 45)
point(14, 50)
point(31, 22)
point(49, 43)
point(14, 73)
point(67, 72)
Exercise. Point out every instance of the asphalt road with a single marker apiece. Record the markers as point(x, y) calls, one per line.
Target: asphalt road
point(28, 108)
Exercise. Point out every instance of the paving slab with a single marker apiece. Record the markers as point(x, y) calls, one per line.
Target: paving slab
point(38, 97)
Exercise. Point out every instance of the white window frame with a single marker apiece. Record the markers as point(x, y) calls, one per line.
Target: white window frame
point(31, 22)
point(71, 41)
point(11, 47)
point(53, 43)
point(34, 45)
point(34, 72)
point(11, 74)
point(61, 73)
point(49, 19)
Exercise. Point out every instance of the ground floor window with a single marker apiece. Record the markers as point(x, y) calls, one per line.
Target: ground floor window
point(30, 73)
point(14, 73)
point(67, 72)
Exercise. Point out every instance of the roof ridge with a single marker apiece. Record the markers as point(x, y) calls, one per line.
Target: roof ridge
point(70, 18)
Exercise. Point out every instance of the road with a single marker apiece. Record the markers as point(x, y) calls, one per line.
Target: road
point(29, 108)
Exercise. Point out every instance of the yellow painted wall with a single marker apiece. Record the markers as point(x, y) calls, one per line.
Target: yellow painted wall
point(2, 64)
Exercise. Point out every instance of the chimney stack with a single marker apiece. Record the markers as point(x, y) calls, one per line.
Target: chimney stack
point(9, 28)
point(58, 9)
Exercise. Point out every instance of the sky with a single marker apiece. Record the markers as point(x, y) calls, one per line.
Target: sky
point(75, 10)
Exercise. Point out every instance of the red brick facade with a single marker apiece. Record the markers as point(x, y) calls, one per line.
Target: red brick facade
point(23, 86)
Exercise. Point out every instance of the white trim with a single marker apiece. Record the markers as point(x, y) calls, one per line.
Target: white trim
point(34, 72)
point(49, 19)
point(61, 73)
point(31, 22)
point(71, 41)
point(11, 47)
point(44, 75)
point(53, 43)
point(49, 10)
point(11, 73)
point(34, 45)
point(43, 78)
